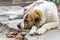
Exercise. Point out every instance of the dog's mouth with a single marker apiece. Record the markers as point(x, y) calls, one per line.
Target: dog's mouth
point(28, 27)
point(25, 27)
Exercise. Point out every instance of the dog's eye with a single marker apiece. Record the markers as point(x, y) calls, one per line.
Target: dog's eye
point(36, 20)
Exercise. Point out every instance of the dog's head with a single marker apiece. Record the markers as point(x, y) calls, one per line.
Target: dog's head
point(31, 18)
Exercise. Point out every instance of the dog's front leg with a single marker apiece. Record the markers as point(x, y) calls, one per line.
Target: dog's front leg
point(33, 30)
point(47, 26)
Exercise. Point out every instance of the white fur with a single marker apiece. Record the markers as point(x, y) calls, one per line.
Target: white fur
point(22, 24)
point(49, 16)
point(47, 26)
point(33, 30)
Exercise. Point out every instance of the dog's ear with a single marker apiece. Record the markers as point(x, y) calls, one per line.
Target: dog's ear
point(39, 13)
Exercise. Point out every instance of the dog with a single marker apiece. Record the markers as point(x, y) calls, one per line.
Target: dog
point(40, 16)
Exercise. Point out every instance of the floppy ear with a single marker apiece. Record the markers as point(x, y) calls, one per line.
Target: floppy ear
point(39, 13)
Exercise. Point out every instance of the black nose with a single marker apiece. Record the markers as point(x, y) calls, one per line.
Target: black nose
point(19, 26)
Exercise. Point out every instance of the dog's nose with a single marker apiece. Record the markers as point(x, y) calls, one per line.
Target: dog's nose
point(19, 26)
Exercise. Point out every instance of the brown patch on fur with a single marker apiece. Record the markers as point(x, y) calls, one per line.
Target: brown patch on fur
point(38, 19)
point(33, 18)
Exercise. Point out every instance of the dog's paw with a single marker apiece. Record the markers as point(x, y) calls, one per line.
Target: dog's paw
point(40, 32)
point(32, 32)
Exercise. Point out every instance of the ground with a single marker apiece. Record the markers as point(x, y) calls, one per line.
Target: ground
point(49, 35)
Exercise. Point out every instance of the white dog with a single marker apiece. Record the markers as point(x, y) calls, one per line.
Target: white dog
point(41, 16)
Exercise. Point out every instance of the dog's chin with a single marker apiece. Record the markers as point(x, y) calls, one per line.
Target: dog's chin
point(26, 27)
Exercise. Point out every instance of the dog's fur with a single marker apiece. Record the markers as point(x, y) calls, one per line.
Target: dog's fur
point(41, 16)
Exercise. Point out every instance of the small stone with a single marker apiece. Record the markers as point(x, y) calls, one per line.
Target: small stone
point(11, 34)
point(19, 37)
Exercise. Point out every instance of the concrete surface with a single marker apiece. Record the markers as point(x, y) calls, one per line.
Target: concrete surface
point(49, 35)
